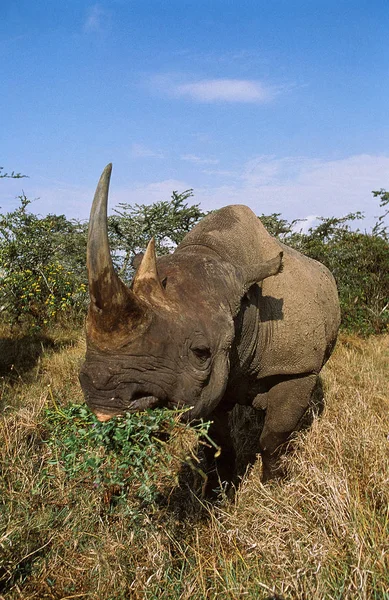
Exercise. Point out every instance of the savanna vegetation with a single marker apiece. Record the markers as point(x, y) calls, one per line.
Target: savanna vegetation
point(43, 271)
point(82, 518)
point(116, 510)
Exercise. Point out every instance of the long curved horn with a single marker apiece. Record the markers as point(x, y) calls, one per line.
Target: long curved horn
point(110, 297)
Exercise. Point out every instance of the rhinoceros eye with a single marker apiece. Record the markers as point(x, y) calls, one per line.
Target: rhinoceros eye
point(202, 353)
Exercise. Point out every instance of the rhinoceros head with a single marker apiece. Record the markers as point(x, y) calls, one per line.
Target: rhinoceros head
point(166, 340)
point(158, 343)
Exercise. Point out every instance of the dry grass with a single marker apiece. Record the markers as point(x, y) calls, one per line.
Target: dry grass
point(321, 534)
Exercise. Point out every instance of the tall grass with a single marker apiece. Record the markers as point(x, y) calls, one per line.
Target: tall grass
point(323, 533)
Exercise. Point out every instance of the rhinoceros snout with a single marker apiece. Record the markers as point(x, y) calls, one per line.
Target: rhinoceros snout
point(106, 403)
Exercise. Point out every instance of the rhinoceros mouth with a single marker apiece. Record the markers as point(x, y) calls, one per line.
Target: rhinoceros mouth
point(104, 413)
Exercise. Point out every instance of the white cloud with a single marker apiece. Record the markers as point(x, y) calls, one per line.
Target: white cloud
point(226, 90)
point(94, 19)
point(303, 225)
point(301, 187)
point(141, 151)
point(199, 160)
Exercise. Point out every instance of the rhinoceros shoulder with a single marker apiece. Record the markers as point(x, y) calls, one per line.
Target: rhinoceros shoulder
point(307, 322)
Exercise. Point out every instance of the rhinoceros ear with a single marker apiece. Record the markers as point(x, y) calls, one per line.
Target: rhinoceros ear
point(248, 275)
point(146, 283)
point(137, 259)
point(261, 271)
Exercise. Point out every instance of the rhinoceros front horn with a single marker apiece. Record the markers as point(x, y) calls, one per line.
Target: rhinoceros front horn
point(113, 305)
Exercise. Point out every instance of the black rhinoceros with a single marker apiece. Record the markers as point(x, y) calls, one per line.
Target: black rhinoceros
point(231, 317)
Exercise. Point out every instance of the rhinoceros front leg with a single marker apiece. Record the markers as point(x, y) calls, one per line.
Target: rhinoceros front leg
point(287, 403)
point(222, 467)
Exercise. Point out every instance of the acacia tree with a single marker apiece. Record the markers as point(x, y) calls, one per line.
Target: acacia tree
point(131, 227)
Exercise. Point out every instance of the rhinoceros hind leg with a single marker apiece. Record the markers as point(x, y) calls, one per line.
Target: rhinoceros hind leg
point(288, 405)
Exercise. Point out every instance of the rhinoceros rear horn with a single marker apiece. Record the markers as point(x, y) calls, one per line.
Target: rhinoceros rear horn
point(146, 283)
point(112, 302)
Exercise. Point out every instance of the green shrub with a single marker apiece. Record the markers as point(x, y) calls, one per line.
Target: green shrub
point(125, 457)
point(359, 262)
point(42, 267)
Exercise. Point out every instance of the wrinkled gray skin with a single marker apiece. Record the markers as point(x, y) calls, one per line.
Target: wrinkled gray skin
point(232, 316)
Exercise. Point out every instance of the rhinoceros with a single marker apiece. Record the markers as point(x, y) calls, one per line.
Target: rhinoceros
point(233, 316)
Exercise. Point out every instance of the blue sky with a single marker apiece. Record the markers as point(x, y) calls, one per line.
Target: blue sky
point(281, 105)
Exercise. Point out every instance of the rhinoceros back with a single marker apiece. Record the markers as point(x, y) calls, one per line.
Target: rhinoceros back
point(237, 235)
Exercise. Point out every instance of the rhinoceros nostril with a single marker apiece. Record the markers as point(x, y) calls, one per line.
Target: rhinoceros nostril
point(139, 395)
point(143, 402)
